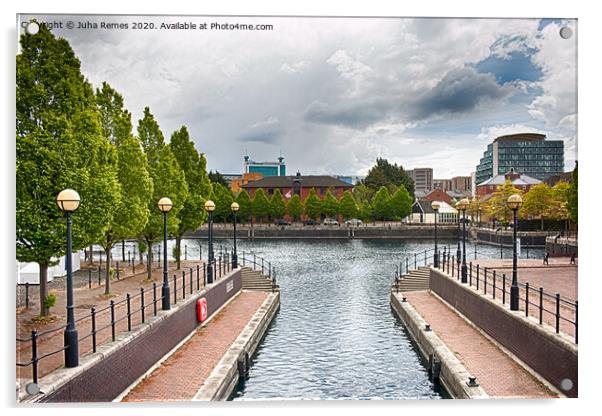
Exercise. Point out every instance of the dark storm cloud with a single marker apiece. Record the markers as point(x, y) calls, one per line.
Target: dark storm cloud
point(348, 114)
point(459, 91)
point(269, 137)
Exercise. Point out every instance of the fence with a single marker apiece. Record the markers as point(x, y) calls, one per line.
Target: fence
point(102, 325)
point(535, 302)
point(259, 263)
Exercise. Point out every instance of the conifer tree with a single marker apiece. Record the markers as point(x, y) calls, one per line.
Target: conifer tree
point(381, 204)
point(130, 214)
point(294, 208)
point(244, 202)
point(313, 205)
point(59, 144)
point(330, 205)
point(277, 205)
point(260, 205)
point(168, 181)
point(347, 206)
point(193, 164)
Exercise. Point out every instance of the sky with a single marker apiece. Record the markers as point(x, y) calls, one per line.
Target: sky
point(333, 94)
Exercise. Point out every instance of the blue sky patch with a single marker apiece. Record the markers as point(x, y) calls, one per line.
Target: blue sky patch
point(517, 67)
point(544, 22)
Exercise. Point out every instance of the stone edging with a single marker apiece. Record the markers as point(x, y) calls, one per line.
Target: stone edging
point(222, 380)
point(453, 376)
point(56, 379)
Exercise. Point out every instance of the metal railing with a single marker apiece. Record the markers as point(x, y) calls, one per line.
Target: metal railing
point(415, 260)
point(534, 302)
point(104, 324)
point(258, 263)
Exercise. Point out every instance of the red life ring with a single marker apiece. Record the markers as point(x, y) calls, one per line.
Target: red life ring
point(201, 309)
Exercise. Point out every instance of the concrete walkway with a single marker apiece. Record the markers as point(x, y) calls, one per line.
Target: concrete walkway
point(181, 375)
point(496, 372)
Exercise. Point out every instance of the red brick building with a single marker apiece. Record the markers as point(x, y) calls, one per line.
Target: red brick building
point(522, 182)
point(438, 195)
point(300, 185)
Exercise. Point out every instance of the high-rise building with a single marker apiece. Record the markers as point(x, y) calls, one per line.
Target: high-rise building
point(423, 178)
point(526, 153)
point(443, 184)
point(461, 184)
point(266, 169)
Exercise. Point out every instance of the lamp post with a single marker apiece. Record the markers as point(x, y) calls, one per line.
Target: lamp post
point(514, 203)
point(68, 202)
point(435, 205)
point(165, 206)
point(462, 205)
point(210, 207)
point(459, 250)
point(234, 207)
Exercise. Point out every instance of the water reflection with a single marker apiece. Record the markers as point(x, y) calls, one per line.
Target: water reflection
point(335, 336)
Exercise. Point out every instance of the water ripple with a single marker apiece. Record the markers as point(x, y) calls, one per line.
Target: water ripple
point(335, 336)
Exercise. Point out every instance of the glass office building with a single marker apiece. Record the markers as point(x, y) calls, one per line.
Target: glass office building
point(526, 153)
point(266, 169)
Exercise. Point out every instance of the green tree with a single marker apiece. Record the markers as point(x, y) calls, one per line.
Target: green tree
point(260, 205)
point(384, 174)
point(537, 202)
point(168, 181)
point(115, 119)
point(361, 193)
point(130, 214)
point(223, 198)
point(572, 197)
point(277, 205)
point(245, 206)
point(559, 201)
point(313, 205)
point(347, 206)
point(330, 205)
point(59, 144)
point(294, 208)
point(497, 206)
point(217, 177)
point(365, 211)
point(193, 164)
point(381, 204)
point(401, 203)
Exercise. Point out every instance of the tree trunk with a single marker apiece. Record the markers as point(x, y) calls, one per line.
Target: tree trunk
point(123, 251)
point(178, 252)
point(108, 271)
point(140, 255)
point(541, 223)
point(149, 260)
point(43, 287)
point(90, 257)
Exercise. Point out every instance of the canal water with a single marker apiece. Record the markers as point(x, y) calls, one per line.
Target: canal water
point(335, 336)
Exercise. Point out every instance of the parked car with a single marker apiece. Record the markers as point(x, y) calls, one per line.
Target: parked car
point(330, 221)
point(282, 221)
point(354, 222)
point(310, 222)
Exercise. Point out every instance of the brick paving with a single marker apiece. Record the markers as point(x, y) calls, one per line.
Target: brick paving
point(182, 374)
point(495, 371)
point(557, 277)
point(84, 299)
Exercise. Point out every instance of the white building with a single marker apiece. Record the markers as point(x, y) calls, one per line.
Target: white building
point(30, 272)
point(423, 213)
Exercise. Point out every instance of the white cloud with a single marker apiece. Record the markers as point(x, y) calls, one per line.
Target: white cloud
point(295, 68)
point(557, 58)
point(361, 78)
